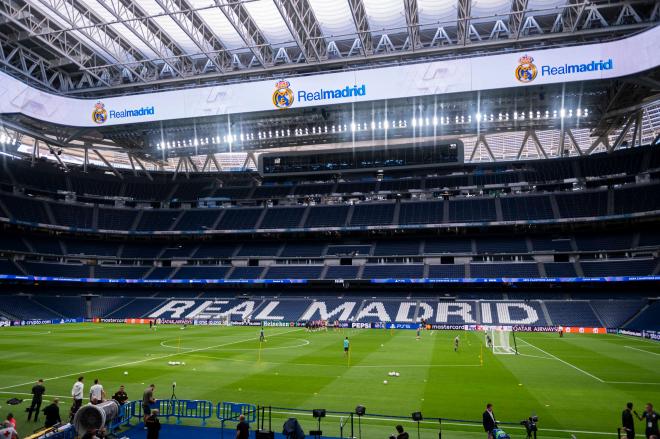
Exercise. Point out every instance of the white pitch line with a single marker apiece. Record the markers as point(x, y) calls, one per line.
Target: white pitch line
point(633, 338)
point(49, 396)
point(304, 343)
point(632, 382)
point(642, 350)
point(146, 360)
point(565, 362)
point(463, 424)
point(335, 365)
point(535, 356)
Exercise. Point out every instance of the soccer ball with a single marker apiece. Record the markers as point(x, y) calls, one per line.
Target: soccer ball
point(385, 382)
point(125, 373)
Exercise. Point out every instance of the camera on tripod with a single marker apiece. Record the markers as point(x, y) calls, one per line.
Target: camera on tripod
point(530, 426)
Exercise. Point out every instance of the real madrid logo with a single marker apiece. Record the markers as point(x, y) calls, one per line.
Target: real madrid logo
point(99, 114)
point(526, 70)
point(282, 96)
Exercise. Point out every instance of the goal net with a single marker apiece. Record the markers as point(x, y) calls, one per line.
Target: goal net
point(500, 341)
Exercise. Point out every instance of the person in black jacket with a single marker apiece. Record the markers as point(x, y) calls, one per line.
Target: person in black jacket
point(400, 433)
point(489, 421)
point(120, 395)
point(628, 422)
point(52, 413)
point(153, 425)
point(38, 391)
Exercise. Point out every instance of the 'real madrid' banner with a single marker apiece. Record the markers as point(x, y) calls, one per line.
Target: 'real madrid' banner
point(588, 62)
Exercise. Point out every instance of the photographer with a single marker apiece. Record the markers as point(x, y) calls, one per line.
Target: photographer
point(52, 413)
point(488, 420)
point(400, 433)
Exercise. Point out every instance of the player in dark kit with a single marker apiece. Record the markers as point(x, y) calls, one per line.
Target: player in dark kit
point(650, 418)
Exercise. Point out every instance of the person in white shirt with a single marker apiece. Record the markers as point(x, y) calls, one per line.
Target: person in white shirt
point(96, 393)
point(77, 393)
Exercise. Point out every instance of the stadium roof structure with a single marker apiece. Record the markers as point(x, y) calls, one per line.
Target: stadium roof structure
point(87, 47)
point(103, 48)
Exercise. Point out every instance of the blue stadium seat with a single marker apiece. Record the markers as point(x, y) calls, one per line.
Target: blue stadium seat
point(393, 271)
point(294, 272)
point(572, 313)
point(239, 219)
point(327, 216)
point(517, 208)
point(202, 272)
point(472, 210)
point(282, 218)
point(509, 269)
point(246, 273)
point(421, 212)
point(342, 272)
point(372, 214)
point(447, 271)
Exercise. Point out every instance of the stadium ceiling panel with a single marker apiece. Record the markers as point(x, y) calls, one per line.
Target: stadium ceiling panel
point(110, 47)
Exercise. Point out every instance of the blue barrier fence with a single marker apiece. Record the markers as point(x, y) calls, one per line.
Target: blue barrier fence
point(126, 412)
point(230, 411)
point(195, 409)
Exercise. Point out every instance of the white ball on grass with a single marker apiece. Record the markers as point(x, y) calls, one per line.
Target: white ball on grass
point(385, 382)
point(125, 373)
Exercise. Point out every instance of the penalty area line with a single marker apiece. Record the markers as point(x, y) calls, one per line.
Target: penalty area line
point(563, 361)
point(130, 363)
point(642, 350)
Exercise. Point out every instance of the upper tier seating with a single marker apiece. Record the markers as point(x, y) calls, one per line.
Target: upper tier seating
point(470, 210)
point(428, 212)
point(282, 218)
point(582, 204)
point(294, 272)
point(393, 271)
point(524, 269)
point(372, 214)
point(633, 267)
point(526, 208)
point(342, 272)
point(327, 216)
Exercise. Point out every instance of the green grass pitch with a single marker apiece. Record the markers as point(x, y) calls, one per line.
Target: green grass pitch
point(578, 384)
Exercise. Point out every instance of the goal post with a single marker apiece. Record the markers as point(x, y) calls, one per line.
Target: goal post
point(501, 340)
